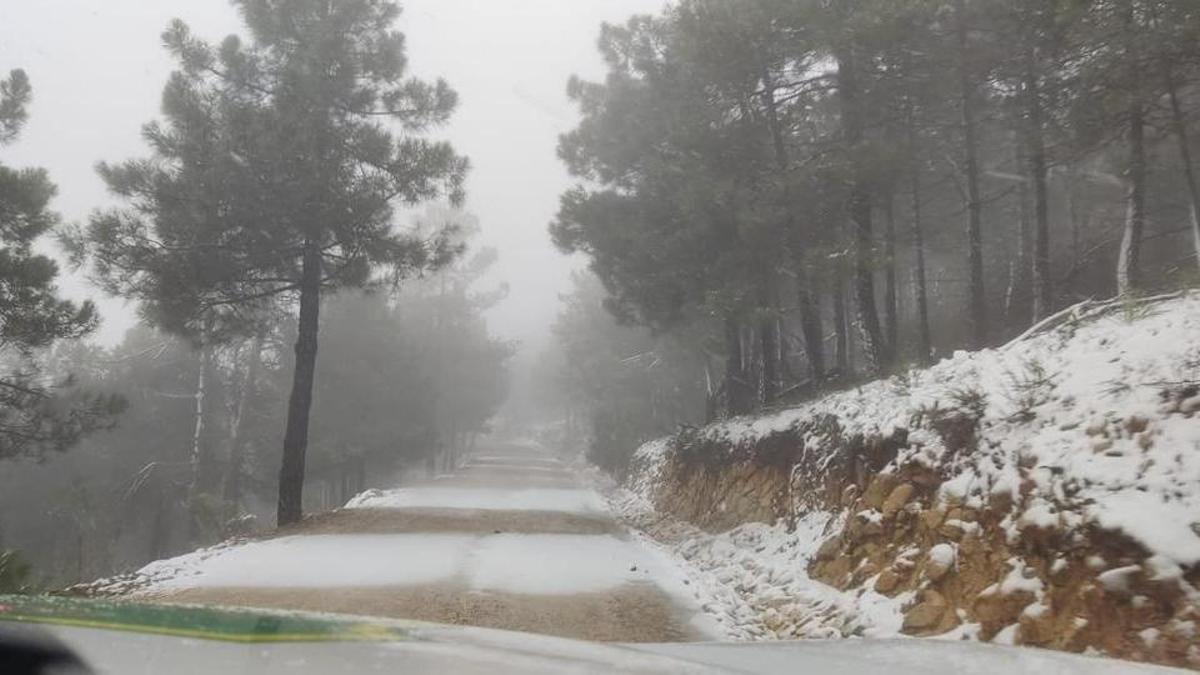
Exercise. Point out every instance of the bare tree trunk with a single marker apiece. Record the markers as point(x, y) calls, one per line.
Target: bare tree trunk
point(737, 389)
point(1129, 270)
point(295, 439)
point(977, 299)
point(841, 320)
point(810, 326)
point(859, 210)
point(237, 441)
point(1043, 291)
point(1185, 155)
point(1129, 261)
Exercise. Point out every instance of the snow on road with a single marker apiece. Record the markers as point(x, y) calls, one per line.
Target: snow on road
point(563, 500)
point(316, 561)
point(538, 564)
point(591, 582)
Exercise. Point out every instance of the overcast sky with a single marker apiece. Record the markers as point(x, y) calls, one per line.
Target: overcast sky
point(97, 69)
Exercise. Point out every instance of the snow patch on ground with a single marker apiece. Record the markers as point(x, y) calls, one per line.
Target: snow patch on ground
point(752, 580)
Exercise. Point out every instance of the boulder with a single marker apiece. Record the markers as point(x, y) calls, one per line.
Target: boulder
point(878, 490)
point(830, 549)
point(896, 499)
point(927, 616)
point(888, 581)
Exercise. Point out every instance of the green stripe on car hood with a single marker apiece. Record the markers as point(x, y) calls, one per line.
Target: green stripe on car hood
point(209, 623)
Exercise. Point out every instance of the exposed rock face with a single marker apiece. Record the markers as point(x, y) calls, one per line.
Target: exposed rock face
point(1037, 582)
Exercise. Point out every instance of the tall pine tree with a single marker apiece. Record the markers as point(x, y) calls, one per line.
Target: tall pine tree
point(312, 131)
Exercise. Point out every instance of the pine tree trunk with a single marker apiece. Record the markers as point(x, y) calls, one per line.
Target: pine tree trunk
point(810, 326)
point(841, 320)
point(859, 210)
point(1185, 155)
point(1019, 296)
point(202, 465)
point(768, 336)
point(237, 440)
point(920, 285)
point(295, 439)
point(977, 309)
point(1043, 292)
point(891, 303)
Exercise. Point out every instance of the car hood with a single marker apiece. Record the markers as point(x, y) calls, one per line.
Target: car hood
point(126, 637)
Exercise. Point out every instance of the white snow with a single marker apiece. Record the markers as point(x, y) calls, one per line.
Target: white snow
point(895, 657)
point(1077, 413)
point(316, 561)
point(1089, 385)
point(568, 500)
point(944, 555)
point(537, 564)
point(555, 564)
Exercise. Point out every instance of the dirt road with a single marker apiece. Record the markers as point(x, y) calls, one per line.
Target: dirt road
point(513, 540)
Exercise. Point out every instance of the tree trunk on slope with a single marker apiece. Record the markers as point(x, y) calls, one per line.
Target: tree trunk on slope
point(295, 439)
point(859, 211)
point(1043, 292)
point(1129, 272)
point(768, 336)
point(977, 309)
point(920, 285)
point(810, 326)
point(1018, 298)
point(891, 303)
point(841, 322)
point(1185, 155)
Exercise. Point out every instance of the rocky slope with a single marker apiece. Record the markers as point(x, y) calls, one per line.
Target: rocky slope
point(1045, 493)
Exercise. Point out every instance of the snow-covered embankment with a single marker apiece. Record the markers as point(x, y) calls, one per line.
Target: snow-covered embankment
point(1043, 493)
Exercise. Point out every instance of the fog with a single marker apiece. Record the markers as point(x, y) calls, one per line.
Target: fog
point(98, 70)
point(617, 320)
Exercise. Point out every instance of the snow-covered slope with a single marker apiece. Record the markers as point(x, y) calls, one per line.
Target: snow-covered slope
point(1059, 474)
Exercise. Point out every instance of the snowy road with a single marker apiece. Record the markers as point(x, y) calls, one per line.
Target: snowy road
point(513, 540)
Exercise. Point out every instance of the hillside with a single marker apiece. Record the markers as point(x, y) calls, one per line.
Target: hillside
point(1044, 493)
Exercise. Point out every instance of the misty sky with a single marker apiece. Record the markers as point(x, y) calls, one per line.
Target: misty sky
point(97, 69)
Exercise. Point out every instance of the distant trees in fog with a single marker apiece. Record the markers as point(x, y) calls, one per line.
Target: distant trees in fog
point(806, 193)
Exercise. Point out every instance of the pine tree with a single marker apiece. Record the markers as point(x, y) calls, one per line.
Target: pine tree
point(35, 414)
point(295, 169)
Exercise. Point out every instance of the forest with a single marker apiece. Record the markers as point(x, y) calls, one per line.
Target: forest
point(782, 198)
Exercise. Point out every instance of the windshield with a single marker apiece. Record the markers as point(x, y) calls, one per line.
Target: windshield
point(621, 321)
